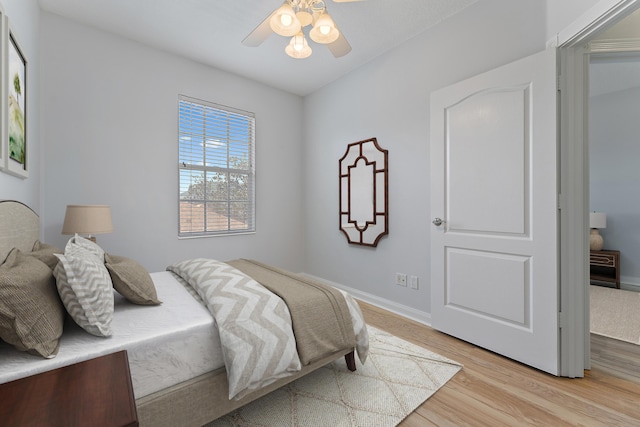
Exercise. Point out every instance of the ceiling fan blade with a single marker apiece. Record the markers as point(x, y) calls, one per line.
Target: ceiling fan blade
point(340, 47)
point(260, 34)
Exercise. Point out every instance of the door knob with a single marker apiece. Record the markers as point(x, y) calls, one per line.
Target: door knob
point(437, 222)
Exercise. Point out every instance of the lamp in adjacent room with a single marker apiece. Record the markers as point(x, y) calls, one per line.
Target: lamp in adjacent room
point(597, 220)
point(87, 220)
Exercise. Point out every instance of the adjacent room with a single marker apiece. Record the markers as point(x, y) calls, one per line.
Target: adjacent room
point(614, 96)
point(309, 213)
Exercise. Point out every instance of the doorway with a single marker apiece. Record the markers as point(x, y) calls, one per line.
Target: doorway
point(573, 200)
point(614, 123)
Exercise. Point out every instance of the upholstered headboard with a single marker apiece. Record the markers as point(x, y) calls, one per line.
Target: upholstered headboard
point(19, 227)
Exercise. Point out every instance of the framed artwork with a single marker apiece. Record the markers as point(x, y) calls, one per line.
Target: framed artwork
point(364, 193)
point(4, 25)
point(15, 132)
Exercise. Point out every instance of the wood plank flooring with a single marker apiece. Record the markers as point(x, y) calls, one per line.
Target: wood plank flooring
point(615, 357)
point(492, 390)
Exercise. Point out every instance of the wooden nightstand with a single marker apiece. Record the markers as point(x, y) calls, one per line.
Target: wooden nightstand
point(605, 268)
point(96, 392)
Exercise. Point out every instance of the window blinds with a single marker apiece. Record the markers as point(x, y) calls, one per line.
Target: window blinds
point(216, 169)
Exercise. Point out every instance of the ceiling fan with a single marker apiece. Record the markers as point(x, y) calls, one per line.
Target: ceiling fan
point(290, 20)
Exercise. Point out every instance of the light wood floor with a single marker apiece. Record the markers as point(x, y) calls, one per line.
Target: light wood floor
point(492, 390)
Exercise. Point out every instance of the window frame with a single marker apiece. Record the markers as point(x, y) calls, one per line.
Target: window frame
point(210, 107)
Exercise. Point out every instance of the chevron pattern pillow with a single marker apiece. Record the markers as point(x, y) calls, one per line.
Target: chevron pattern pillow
point(85, 286)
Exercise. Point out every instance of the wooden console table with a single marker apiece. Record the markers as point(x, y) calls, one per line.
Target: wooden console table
point(96, 392)
point(605, 268)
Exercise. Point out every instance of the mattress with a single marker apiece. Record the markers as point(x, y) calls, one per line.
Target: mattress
point(166, 344)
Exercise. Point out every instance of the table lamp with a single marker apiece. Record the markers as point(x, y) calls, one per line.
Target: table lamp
point(597, 220)
point(87, 220)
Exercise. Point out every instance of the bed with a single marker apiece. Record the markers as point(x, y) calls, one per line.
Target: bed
point(175, 349)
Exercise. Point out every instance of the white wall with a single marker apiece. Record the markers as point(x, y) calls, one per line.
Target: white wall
point(561, 14)
point(109, 124)
point(24, 16)
point(389, 99)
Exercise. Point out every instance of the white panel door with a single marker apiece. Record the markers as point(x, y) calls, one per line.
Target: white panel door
point(494, 265)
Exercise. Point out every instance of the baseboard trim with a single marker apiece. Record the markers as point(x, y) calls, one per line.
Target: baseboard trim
point(627, 287)
point(630, 283)
point(399, 309)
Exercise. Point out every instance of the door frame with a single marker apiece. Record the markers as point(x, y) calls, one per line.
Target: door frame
point(573, 199)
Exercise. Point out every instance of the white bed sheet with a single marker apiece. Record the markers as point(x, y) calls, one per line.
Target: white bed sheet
point(166, 344)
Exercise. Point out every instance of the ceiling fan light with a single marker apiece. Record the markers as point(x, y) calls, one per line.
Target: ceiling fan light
point(298, 47)
point(324, 31)
point(284, 21)
point(304, 17)
point(298, 41)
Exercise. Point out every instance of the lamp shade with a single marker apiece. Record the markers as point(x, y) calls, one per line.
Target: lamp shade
point(298, 47)
point(284, 21)
point(597, 220)
point(87, 219)
point(324, 31)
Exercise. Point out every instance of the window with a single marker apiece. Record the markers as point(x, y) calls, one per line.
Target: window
point(217, 171)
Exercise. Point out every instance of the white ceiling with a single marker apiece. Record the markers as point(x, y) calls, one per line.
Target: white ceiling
point(613, 72)
point(211, 32)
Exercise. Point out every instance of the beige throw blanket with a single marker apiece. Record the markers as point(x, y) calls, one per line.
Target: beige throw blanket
point(320, 316)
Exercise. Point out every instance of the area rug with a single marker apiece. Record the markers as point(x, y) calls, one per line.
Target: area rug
point(395, 379)
point(615, 313)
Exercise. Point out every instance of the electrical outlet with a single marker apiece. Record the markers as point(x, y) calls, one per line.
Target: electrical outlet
point(413, 282)
point(401, 279)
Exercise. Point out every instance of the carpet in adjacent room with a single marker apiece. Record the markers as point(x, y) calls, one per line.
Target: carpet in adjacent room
point(615, 313)
point(397, 378)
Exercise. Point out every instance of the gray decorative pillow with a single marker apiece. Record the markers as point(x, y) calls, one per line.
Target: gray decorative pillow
point(85, 287)
point(31, 314)
point(131, 280)
point(46, 253)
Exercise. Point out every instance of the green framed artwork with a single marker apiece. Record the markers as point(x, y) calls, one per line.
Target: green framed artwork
point(15, 132)
point(4, 25)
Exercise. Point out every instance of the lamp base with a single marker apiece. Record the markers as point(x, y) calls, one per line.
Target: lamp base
point(596, 242)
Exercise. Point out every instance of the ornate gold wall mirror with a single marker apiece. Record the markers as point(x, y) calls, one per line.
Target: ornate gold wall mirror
point(364, 205)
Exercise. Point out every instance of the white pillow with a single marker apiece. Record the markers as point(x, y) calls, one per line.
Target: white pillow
point(85, 286)
point(80, 242)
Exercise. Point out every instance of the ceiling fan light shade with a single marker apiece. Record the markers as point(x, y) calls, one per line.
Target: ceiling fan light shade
point(284, 21)
point(324, 31)
point(298, 47)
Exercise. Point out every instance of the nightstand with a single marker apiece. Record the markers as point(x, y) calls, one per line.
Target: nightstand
point(605, 268)
point(96, 392)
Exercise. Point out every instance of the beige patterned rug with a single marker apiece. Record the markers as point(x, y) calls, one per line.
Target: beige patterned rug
point(396, 378)
point(615, 313)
